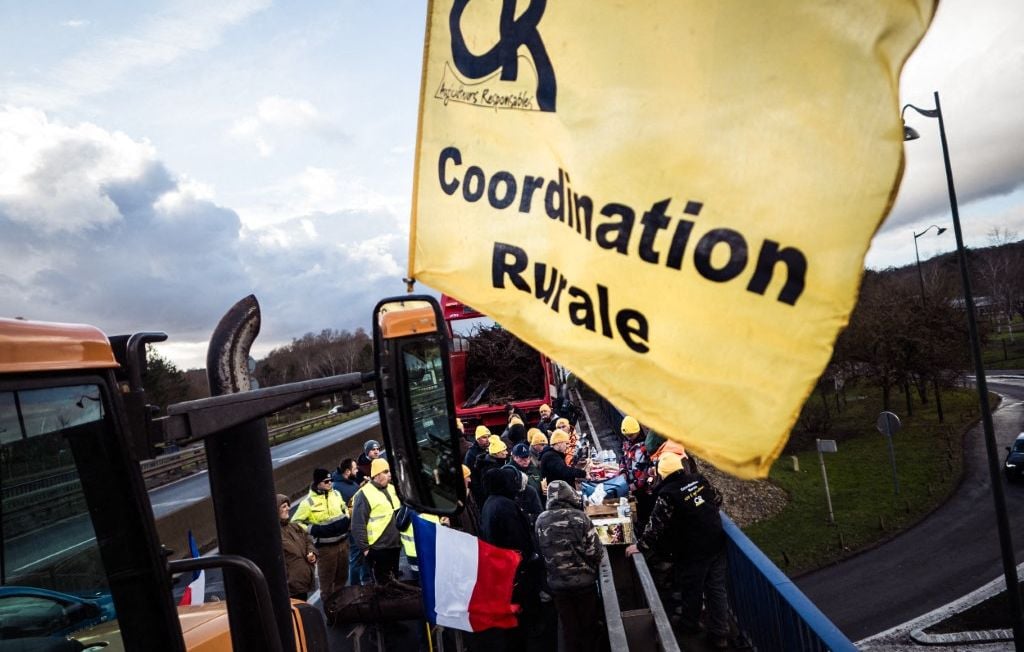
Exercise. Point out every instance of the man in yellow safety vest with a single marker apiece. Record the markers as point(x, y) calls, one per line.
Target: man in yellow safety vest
point(323, 514)
point(405, 516)
point(374, 527)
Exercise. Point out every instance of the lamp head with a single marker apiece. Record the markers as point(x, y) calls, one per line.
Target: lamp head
point(941, 230)
point(909, 133)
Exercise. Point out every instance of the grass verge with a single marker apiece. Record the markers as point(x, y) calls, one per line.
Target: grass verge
point(860, 478)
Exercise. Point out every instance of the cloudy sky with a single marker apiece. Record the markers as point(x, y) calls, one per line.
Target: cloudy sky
point(160, 160)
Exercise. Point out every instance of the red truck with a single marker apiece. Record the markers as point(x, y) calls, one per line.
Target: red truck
point(477, 405)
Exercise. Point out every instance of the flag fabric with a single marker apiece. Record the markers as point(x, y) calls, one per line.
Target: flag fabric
point(195, 592)
point(467, 583)
point(672, 198)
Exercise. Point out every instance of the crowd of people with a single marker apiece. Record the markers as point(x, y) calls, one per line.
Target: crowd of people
point(523, 493)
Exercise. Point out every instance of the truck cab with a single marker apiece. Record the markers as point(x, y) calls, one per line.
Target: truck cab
point(81, 565)
point(80, 552)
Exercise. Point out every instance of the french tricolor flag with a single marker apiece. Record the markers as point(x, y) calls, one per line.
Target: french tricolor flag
point(195, 592)
point(467, 583)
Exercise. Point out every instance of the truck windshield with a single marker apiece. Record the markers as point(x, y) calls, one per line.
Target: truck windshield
point(53, 580)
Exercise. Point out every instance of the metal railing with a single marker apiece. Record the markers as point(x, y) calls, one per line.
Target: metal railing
point(57, 479)
point(193, 458)
point(770, 609)
point(159, 470)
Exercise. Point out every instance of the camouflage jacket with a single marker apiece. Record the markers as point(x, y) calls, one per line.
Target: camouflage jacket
point(567, 540)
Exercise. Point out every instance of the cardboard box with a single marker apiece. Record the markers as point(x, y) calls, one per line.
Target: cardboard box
point(599, 511)
point(614, 531)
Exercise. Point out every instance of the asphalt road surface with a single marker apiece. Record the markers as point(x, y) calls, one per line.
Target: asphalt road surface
point(26, 553)
point(949, 554)
point(196, 487)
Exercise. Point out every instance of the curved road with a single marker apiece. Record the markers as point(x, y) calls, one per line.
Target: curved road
point(949, 554)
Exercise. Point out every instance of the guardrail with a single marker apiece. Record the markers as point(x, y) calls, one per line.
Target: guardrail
point(635, 616)
point(29, 486)
point(771, 610)
point(193, 458)
point(165, 467)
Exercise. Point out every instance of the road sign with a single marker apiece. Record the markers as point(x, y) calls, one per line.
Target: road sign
point(826, 445)
point(888, 424)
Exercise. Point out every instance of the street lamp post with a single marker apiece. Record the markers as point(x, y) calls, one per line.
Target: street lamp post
point(1005, 541)
point(939, 230)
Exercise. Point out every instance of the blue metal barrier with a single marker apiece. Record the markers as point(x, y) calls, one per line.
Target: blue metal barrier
point(770, 609)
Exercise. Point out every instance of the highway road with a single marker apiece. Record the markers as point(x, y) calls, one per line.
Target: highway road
point(42, 547)
point(949, 554)
point(196, 487)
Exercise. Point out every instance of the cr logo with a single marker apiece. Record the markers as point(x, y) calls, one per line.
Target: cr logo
point(514, 33)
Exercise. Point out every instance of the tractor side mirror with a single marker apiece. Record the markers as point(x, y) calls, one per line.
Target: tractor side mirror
point(414, 396)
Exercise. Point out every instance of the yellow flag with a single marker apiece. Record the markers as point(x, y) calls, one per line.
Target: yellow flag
point(671, 198)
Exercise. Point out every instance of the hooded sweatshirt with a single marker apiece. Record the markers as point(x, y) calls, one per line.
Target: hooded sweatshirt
point(502, 523)
point(567, 541)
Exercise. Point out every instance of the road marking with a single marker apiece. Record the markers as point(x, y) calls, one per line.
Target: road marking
point(179, 480)
point(186, 501)
point(288, 457)
point(59, 552)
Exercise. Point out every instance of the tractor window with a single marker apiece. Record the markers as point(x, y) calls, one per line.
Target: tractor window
point(53, 580)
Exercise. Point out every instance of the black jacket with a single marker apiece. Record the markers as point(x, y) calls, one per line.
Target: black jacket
point(685, 522)
point(502, 523)
point(475, 451)
point(484, 465)
point(553, 467)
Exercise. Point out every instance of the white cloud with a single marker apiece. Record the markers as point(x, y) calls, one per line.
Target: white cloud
point(281, 118)
point(973, 55)
point(54, 177)
point(318, 190)
point(156, 252)
point(74, 23)
point(191, 27)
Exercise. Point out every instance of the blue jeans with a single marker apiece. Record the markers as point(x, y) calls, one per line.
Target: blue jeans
point(358, 569)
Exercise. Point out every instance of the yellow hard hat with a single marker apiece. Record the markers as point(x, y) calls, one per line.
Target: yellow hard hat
point(630, 426)
point(514, 419)
point(497, 446)
point(562, 421)
point(482, 431)
point(559, 436)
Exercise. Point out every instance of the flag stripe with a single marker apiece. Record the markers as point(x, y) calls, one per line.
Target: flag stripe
point(195, 592)
point(491, 602)
point(426, 551)
point(456, 577)
point(467, 584)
